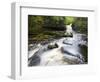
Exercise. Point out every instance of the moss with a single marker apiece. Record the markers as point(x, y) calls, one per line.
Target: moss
point(47, 35)
point(41, 37)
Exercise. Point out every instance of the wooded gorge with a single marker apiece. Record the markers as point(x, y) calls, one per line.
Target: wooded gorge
point(48, 27)
point(57, 40)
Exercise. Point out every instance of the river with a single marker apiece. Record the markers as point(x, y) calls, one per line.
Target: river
point(68, 52)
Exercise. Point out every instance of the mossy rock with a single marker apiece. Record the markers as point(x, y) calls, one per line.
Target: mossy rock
point(68, 35)
point(53, 46)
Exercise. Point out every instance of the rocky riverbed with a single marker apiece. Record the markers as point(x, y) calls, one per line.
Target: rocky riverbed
point(63, 51)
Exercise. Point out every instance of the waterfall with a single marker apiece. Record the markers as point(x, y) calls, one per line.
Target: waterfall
point(69, 29)
point(68, 51)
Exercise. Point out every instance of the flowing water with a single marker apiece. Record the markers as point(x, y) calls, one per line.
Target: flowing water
point(67, 52)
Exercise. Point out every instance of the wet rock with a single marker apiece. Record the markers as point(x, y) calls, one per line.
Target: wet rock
point(84, 38)
point(74, 60)
point(34, 60)
point(68, 35)
point(82, 43)
point(70, 51)
point(67, 42)
point(52, 46)
point(84, 52)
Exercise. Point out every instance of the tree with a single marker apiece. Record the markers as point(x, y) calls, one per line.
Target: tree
point(35, 24)
point(54, 22)
point(81, 24)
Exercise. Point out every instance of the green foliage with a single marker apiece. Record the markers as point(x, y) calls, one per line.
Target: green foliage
point(41, 37)
point(35, 24)
point(54, 22)
point(40, 23)
point(46, 27)
point(69, 20)
point(81, 24)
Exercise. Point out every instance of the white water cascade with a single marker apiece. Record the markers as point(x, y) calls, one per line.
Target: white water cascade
point(67, 53)
point(69, 29)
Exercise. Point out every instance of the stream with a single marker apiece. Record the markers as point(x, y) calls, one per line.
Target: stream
point(68, 52)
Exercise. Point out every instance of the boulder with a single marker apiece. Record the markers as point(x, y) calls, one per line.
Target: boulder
point(35, 60)
point(70, 51)
point(68, 34)
point(82, 43)
point(84, 52)
point(67, 42)
point(52, 46)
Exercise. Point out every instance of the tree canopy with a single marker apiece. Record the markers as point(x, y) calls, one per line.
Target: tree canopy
point(44, 27)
